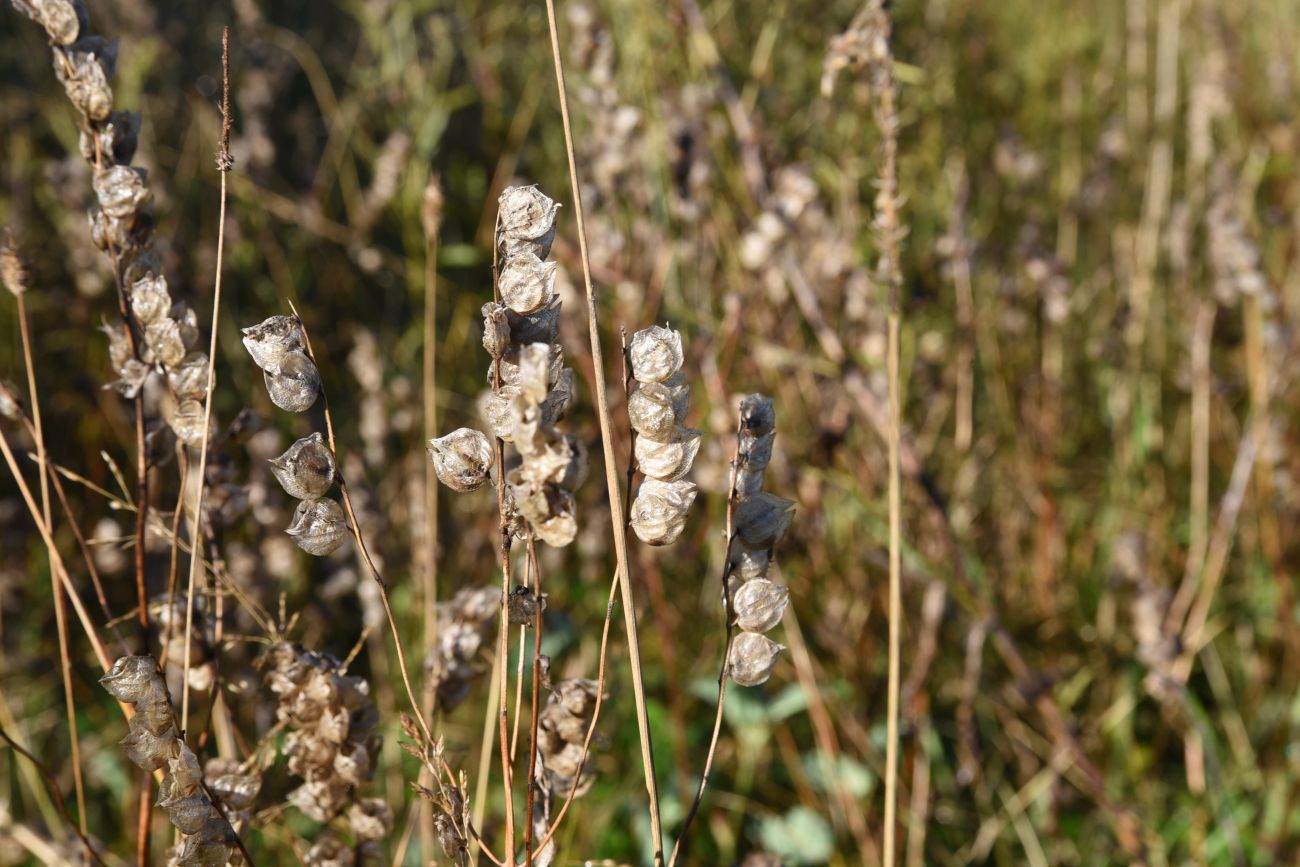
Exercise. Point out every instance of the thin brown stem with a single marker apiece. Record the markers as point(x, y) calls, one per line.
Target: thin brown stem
point(53, 786)
point(536, 703)
point(611, 467)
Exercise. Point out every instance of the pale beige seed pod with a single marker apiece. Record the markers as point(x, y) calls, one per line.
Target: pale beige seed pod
point(114, 139)
point(498, 411)
point(370, 818)
point(752, 658)
point(763, 519)
point(121, 191)
point(527, 283)
point(10, 406)
point(757, 415)
point(85, 69)
point(189, 379)
point(62, 19)
point(295, 387)
point(668, 461)
point(13, 267)
point(539, 369)
point(496, 329)
point(525, 222)
point(271, 340)
point(749, 481)
point(306, 469)
point(319, 527)
point(463, 459)
point(165, 342)
point(131, 678)
point(655, 354)
point(656, 409)
point(756, 451)
point(150, 300)
point(660, 509)
point(759, 605)
point(549, 509)
point(540, 326)
point(186, 419)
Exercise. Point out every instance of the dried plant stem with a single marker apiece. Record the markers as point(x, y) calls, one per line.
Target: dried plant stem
point(679, 848)
point(177, 517)
point(430, 572)
point(607, 446)
point(536, 703)
point(485, 752)
point(60, 608)
point(53, 786)
point(895, 593)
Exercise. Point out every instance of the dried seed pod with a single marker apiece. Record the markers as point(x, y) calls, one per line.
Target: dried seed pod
point(523, 606)
point(124, 237)
point(306, 469)
point(668, 461)
point(549, 509)
point(271, 340)
point(85, 68)
point(756, 451)
point(131, 678)
point(762, 520)
point(463, 459)
point(562, 729)
point(757, 415)
point(656, 409)
point(559, 399)
point(235, 790)
point(319, 527)
point(10, 406)
point(498, 409)
point(63, 20)
point(212, 846)
point(13, 267)
point(525, 222)
point(150, 300)
point(189, 379)
point(752, 658)
point(371, 819)
point(655, 354)
point(465, 627)
point(121, 191)
point(113, 140)
point(165, 342)
point(535, 366)
point(496, 329)
point(660, 509)
point(187, 323)
point(540, 326)
point(527, 283)
point(759, 605)
point(749, 482)
point(330, 851)
point(295, 387)
point(186, 419)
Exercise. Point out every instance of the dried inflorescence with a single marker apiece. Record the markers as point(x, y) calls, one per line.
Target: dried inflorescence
point(663, 447)
point(332, 741)
point(761, 521)
point(561, 733)
point(466, 625)
point(153, 743)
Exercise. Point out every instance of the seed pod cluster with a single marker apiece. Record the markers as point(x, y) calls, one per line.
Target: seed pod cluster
point(561, 732)
point(663, 446)
point(332, 739)
point(466, 625)
point(760, 522)
point(152, 744)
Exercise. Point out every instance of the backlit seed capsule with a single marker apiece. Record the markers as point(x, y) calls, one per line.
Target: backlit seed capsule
point(759, 605)
point(463, 459)
point(527, 283)
point(295, 387)
point(189, 379)
point(660, 509)
point(655, 354)
point(121, 191)
point(85, 69)
point(130, 678)
point(186, 421)
point(668, 461)
point(306, 469)
point(163, 339)
point(497, 409)
point(752, 658)
point(756, 452)
point(150, 300)
point(525, 222)
point(655, 409)
point(757, 415)
point(319, 527)
point(540, 326)
point(271, 340)
point(496, 329)
point(62, 19)
point(762, 520)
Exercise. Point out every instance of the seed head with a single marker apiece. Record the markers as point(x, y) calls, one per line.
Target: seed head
point(660, 509)
point(307, 469)
point(463, 459)
point(319, 527)
point(655, 354)
point(297, 383)
point(431, 204)
point(150, 300)
point(747, 565)
point(189, 379)
point(121, 191)
point(759, 605)
point(62, 19)
point(752, 658)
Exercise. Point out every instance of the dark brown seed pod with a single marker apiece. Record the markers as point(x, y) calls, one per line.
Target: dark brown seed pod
point(296, 385)
point(749, 482)
point(763, 519)
point(752, 658)
point(271, 340)
point(463, 459)
point(306, 469)
point(757, 415)
point(655, 354)
point(759, 605)
point(756, 451)
point(319, 527)
point(540, 326)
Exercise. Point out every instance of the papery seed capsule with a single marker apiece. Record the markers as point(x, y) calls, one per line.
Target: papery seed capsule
point(752, 658)
point(668, 461)
point(759, 605)
point(187, 421)
point(757, 415)
point(130, 678)
point(463, 459)
point(147, 750)
point(121, 191)
point(189, 379)
point(756, 452)
point(85, 68)
point(163, 339)
point(762, 520)
point(496, 329)
point(540, 326)
point(187, 323)
point(319, 527)
point(306, 469)
point(150, 300)
point(370, 818)
point(62, 19)
point(295, 387)
point(526, 283)
point(655, 409)
point(749, 482)
point(655, 354)
point(525, 222)
point(113, 140)
point(13, 267)
point(10, 406)
point(272, 339)
point(523, 606)
point(498, 410)
point(660, 509)
point(534, 374)
point(559, 399)
point(212, 846)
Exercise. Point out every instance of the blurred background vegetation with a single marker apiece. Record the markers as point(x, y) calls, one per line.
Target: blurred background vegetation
point(1103, 229)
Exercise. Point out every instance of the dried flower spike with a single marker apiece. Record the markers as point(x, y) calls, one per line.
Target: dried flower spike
point(655, 354)
point(62, 19)
point(13, 268)
point(463, 459)
point(307, 469)
point(752, 658)
point(319, 527)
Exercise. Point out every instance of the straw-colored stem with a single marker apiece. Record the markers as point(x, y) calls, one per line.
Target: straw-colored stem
point(430, 571)
point(607, 446)
point(895, 595)
point(535, 712)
